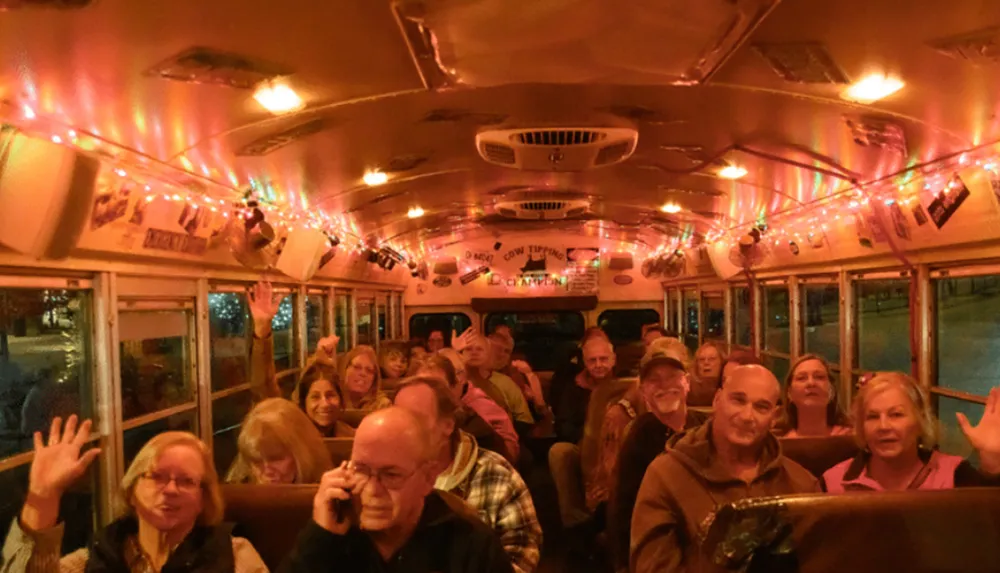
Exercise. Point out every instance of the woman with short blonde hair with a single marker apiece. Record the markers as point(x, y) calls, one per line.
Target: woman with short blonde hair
point(279, 444)
point(170, 511)
point(897, 432)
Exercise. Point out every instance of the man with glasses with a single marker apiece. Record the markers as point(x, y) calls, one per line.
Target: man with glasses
point(483, 479)
point(379, 512)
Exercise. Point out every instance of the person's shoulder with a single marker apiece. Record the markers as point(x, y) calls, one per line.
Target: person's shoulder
point(800, 479)
point(498, 377)
point(495, 466)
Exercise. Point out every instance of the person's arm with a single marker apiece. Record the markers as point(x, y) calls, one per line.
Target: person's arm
point(985, 437)
point(517, 522)
point(246, 558)
point(263, 305)
point(655, 542)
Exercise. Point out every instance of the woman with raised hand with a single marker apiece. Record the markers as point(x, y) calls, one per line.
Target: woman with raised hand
point(897, 432)
point(170, 504)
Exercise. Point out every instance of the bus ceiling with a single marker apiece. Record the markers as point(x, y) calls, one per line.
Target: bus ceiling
point(363, 138)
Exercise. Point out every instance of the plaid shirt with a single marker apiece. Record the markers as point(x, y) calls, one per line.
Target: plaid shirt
point(496, 491)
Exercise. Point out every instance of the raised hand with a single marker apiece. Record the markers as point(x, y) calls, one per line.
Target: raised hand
point(985, 437)
point(459, 343)
point(55, 467)
point(263, 306)
point(326, 349)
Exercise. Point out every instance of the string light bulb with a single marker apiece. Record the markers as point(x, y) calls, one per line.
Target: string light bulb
point(732, 172)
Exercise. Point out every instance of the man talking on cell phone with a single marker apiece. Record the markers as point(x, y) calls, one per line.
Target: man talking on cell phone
point(379, 512)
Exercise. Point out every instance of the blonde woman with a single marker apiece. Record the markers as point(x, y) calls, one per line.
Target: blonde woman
point(170, 504)
point(897, 432)
point(279, 444)
point(361, 381)
point(811, 406)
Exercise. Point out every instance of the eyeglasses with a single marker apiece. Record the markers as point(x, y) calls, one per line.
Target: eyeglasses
point(183, 483)
point(391, 478)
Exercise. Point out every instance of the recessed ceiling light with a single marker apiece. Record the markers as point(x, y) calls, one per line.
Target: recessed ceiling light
point(278, 97)
point(373, 178)
point(872, 88)
point(671, 208)
point(415, 212)
point(732, 172)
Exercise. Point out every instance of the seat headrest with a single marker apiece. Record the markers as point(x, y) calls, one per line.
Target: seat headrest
point(269, 516)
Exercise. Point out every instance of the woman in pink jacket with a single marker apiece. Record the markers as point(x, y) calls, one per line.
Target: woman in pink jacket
point(897, 432)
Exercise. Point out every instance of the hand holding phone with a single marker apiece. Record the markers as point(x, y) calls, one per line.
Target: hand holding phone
point(332, 509)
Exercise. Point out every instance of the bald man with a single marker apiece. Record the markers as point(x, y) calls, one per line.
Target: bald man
point(389, 517)
point(731, 457)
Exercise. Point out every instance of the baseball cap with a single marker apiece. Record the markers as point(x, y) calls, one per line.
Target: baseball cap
point(655, 358)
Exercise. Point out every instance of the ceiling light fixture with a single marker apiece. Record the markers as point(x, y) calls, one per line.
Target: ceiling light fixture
point(872, 88)
point(671, 208)
point(415, 213)
point(732, 172)
point(373, 178)
point(277, 97)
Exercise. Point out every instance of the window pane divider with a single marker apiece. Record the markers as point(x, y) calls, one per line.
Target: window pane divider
point(958, 395)
point(776, 354)
point(36, 282)
point(158, 415)
point(219, 394)
point(25, 458)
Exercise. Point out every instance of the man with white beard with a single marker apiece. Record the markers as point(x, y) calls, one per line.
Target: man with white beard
point(663, 390)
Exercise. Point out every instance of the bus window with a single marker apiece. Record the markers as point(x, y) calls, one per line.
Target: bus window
point(883, 310)
point(228, 412)
point(713, 313)
point(967, 362)
point(342, 320)
point(691, 325)
point(741, 316)
point(544, 338)
point(156, 354)
point(625, 325)
point(283, 335)
point(365, 329)
point(423, 324)
point(315, 320)
point(777, 329)
point(821, 321)
point(228, 327)
point(45, 371)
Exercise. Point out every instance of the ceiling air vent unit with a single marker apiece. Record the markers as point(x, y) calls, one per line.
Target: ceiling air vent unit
point(868, 131)
point(274, 141)
point(801, 62)
point(542, 205)
point(207, 66)
point(557, 149)
point(981, 47)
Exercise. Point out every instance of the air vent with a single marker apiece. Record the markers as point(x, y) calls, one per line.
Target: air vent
point(464, 116)
point(557, 149)
point(802, 62)
point(7, 5)
point(275, 141)
point(868, 131)
point(613, 153)
point(402, 163)
point(208, 66)
point(678, 191)
point(546, 205)
point(498, 153)
point(981, 47)
point(559, 137)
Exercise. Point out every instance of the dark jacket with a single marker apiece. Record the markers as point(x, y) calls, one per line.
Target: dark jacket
point(444, 541)
point(570, 407)
point(646, 439)
point(204, 550)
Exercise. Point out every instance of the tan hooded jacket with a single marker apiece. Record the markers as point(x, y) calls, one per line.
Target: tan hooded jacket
point(683, 489)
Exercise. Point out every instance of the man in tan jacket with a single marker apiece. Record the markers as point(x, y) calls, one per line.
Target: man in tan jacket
point(731, 457)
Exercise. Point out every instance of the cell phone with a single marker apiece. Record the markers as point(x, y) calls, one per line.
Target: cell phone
point(341, 507)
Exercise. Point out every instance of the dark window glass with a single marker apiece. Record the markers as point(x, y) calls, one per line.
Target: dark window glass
point(821, 321)
point(315, 317)
point(544, 338)
point(45, 362)
point(422, 325)
point(883, 309)
point(741, 316)
point(625, 325)
point(776, 324)
point(968, 331)
point(952, 439)
point(283, 332)
point(365, 333)
point(778, 366)
point(134, 439)
point(713, 312)
point(155, 352)
point(228, 319)
point(691, 320)
point(227, 415)
point(342, 318)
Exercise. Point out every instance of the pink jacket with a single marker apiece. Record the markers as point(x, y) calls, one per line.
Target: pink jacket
point(494, 415)
point(852, 474)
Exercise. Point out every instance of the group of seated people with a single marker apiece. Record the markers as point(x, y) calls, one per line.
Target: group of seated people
point(432, 480)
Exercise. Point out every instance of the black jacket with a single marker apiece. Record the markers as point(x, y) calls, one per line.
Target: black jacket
point(443, 542)
point(204, 550)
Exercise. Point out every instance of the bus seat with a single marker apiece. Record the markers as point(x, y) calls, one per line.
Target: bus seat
point(627, 357)
point(269, 516)
point(352, 417)
point(912, 531)
point(604, 396)
point(340, 449)
point(819, 454)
